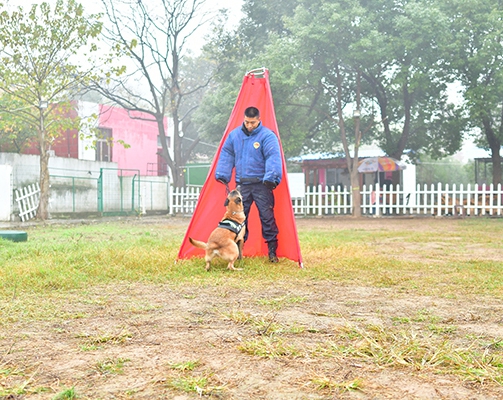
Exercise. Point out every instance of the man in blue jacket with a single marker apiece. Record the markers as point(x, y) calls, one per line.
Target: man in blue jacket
point(254, 151)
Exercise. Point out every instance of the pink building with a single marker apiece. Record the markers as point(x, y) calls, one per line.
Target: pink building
point(138, 132)
point(126, 138)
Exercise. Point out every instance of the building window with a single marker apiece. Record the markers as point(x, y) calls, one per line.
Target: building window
point(103, 147)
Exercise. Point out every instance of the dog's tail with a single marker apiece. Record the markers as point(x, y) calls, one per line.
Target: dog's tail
point(198, 243)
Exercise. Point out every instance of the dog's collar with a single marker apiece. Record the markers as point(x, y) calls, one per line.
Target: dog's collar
point(231, 225)
point(237, 212)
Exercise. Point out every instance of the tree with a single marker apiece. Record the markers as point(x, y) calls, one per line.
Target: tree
point(476, 57)
point(324, 36)
point(42, 57)
point(403, 64)
point(399, 53)
point(237, 51)
point(152, 39)
point(376, 58)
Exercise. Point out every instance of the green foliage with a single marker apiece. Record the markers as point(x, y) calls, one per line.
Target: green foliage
point(236, 52)
point(14, 134)
point(474, 56)
point(308, 44)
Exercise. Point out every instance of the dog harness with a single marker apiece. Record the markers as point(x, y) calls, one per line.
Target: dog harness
point(231, 225)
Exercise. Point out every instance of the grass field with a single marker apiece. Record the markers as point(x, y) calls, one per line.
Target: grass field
point(384, 308)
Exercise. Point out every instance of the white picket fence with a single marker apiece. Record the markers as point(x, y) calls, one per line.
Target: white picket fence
point(183, 200)
point(436, 200)
point(27, 199)
point(433, 200)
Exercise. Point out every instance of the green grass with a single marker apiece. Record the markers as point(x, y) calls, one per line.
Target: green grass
point(269, 347)
point(57, 259)
point(67, 394)
point(419, 350)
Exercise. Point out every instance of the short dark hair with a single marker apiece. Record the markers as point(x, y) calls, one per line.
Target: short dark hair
point(252, 112)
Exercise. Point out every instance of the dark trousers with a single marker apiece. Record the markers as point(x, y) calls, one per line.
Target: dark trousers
point(264, 200)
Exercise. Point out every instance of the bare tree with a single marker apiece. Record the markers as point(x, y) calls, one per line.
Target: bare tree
point(152, 38)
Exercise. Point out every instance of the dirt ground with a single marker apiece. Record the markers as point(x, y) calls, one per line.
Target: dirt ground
point(139, 341)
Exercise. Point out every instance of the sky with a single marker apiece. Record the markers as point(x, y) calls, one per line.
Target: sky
point(234, 7)
point(197, 40)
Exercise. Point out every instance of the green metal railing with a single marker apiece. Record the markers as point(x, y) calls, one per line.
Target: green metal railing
point(114, 188)
point(73, 186)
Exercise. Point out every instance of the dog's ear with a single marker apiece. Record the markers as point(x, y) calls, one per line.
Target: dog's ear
point(238, 200)
point(226, 203)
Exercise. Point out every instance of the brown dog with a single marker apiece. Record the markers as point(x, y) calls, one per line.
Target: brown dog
point(226, 241)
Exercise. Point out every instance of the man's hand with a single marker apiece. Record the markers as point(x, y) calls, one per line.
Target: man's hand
point(270, 185)
point(222, 180)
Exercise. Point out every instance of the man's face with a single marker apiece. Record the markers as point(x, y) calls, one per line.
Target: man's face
point(251, 123)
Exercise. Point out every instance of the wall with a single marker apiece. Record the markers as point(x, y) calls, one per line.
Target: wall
point(26, 167)
point(5, 192)
point(74, 186)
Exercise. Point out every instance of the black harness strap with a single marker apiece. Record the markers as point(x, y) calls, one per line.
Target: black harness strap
point(231, 225)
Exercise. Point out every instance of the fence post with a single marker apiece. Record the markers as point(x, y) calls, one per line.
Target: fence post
point(439, 199)
point(320, 201)
point(100, 191)
point(170, 199)
point(378, 200)
point(498, 200)
point(73, 193)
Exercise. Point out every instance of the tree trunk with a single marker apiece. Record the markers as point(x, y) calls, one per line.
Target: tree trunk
point(43, 205)
point(173, 167)
point(356, 197)
point(495, 146)
point(179, 180)
point(497, 173)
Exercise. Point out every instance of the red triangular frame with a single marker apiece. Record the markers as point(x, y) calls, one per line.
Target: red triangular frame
point(255, 91)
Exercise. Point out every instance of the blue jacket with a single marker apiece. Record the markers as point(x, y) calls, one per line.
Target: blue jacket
point(255, 155)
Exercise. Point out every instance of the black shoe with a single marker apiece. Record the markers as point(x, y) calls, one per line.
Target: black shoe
point(272, 246)
point(273, 258)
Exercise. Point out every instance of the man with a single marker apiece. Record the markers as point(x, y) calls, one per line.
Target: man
point(253, 150)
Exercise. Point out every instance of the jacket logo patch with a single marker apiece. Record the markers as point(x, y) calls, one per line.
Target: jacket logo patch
point(256, 145)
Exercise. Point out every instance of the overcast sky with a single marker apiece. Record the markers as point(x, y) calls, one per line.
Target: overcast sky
point(234, 7)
